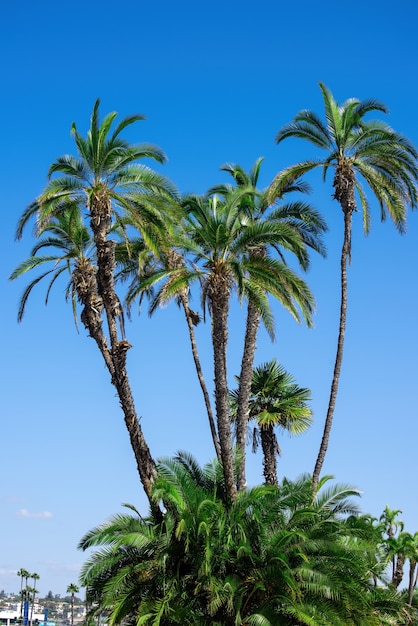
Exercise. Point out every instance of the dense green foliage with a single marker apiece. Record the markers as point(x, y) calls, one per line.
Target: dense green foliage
point(276, 555)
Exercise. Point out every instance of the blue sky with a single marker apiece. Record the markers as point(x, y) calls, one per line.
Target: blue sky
point(216, 81)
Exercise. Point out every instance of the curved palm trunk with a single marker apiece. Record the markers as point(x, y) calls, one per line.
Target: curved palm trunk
point(199, 372)
point(219, 298)
point(103, 296)
point(345, 258)
point(175, 261)
point(269, 446)
point(244, 391)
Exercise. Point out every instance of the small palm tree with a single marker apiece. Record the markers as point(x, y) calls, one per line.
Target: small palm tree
point(358, 150)
point(72, 589)
point(275, 401)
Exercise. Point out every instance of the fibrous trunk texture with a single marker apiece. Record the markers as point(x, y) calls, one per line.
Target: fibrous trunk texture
point(269, 446)
point(344, 182)
point(244, 390)
point(96, 291)
point(219, 293)
point(245, 378)
point(398, 573)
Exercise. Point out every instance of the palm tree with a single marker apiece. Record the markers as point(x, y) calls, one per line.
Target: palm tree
point(106, 180)
point(24, 574)
point(220, 240)
point(358, 150)
point(72, 589)
point(274, 555)
point(275, 400)
point(34, 577)
point(143, 267)
point(69, 244)
point(299, 227)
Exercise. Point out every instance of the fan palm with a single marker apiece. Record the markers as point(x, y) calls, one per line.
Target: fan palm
point(358, 151)
point(275, 400)
point(106, 180)
point(299, 227)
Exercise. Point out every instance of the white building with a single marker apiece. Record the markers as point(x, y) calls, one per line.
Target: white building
point(8, 618)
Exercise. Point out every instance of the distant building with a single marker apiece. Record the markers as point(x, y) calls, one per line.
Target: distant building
point(11, 617)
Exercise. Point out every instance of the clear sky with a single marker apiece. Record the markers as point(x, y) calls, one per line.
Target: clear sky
point(216, 81)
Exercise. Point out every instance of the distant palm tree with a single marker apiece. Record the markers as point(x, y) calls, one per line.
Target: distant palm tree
point(73, 589)
point(33, 592)
point(24, 574)
point(357, 150)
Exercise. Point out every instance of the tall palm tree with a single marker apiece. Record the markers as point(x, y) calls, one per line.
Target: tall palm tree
point(275, 401)
point(106, 180)
point(359, 151)
point(300, 228)
point(72, 589)
point(34, 591)
point(219, 240)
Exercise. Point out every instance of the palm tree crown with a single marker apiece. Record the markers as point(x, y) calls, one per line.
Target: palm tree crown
point(358, 149)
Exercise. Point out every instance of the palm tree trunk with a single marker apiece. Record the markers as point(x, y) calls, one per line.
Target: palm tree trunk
point(244, 391)
point(32, 607)
point(412, 581)
point(21, 594)
point(345, 257)
point(220, 308)
point(246, 375)
point(115, 357)
point(198, 367)
point(268, 444)
point(398, 574)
